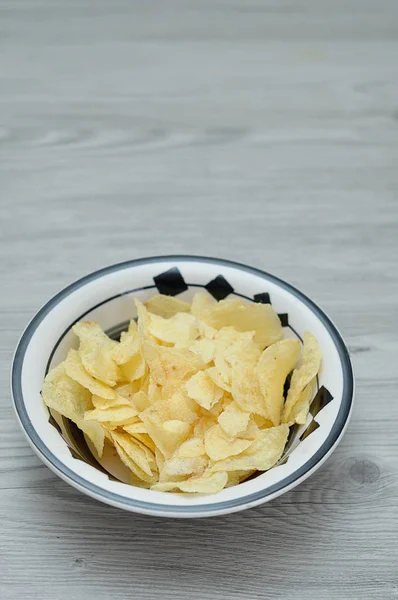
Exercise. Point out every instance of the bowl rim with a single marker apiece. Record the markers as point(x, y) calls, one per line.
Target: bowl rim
point(146, 507)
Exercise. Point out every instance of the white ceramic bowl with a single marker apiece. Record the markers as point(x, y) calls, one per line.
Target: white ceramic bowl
point(106, 296)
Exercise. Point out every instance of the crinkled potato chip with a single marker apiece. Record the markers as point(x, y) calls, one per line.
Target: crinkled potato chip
point(134, 369)
point(137, 427)
point(191, 448)
point(75, 370)
point(274, 366)
point(205, 348)
point(202, 304)
point(177, 466)
point(135, 452)
point(218, 445)
point(246, 391)
point(261, 455)
point(178, 427)
point(299, 412)
point(103, 403)
point(167, 364)
point(203, 390)
point(127, 390)
point(261, 422)
point(182, 327)
point(167, 306)
point(129, 345)
point(140, 401)
point(188, 399)
point(71, 400)
point(96, 352)
point(210, 484)
point(65, 395)
point(234, 420)
point(117, 415)
point(154, 418)
point(218, 379)
point(302, 376)
point(95, 432)
point(132, 465)
point(260, 318)
point(203, 424)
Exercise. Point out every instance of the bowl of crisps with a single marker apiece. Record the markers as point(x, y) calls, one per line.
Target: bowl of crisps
point(182, 386)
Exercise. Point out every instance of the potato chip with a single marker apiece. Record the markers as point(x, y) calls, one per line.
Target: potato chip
point(218, 445)
point(261, 455)
point(233, 478)
point(236, 477)
point(223, 313)
point(117, 415)
point(140, 401)
point(65, 395)
point(205, 348)
point(127, 390)
point(206, 331)
point(210, 484)
point(166, 306)
point(203, 390)
point(178, 427)
point(143, 320)
point(71, 400)
point(154, 417)
point(137, 427)
point(134, 369)
point(274, 366)
point(132, 465)
point(129, 346)
point(154, 391)
point(241, 350)
point(299, 412)
point(216, 410)
point(219, 380)
point(182, 327)
point(207, 484)
point(260, 318)
point(178, 467)
point(233, 420)
point(139, 431)
point(233, 349)
point(146, 440)
point(302, 376)
point(159, 457)
point(134, 451)
point(252, 430)
point(95, 433)
point(96, 352)
point(103, 403)
point(191, 448)
point(75, 370)
point(181, 406)
point(167, 364)
point(246, 391)
point(261, 422)
point(202, 304)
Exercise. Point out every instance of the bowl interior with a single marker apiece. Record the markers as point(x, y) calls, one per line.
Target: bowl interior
point(107, 297)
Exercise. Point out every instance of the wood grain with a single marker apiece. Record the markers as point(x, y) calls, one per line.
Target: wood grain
point(265, 132)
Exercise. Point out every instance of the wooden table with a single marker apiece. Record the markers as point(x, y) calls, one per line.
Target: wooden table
point(261, 131)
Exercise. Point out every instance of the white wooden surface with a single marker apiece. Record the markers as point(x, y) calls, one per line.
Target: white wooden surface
point(263, 131)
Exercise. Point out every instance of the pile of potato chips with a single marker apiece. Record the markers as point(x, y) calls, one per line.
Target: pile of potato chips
point(192, 397)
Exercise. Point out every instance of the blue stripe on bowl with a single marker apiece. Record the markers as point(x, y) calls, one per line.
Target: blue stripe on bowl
point(113, 498)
